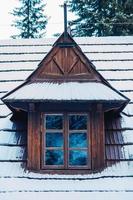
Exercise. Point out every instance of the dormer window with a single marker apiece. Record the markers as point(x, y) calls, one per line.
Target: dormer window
point(65, 99)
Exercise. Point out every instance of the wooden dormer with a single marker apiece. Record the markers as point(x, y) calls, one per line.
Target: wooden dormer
point(66, 99)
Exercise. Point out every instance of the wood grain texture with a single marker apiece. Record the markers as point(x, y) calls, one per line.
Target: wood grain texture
point(97, 138)
point(34, 140)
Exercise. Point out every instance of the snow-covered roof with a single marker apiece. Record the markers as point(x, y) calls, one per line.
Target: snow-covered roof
point(113, 58)
point(69, 91)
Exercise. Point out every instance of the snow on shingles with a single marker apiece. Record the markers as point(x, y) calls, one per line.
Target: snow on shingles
point(104, 40)
point(129, 95)
point(65, 91)
point(128, 151)
point(22, 57)
point(109, 56)
point(8, 86)
point(126, 122)
point(1, 95)
point(91, 56)
point(117, 75)
point(122, 85)
point(85, 48)
point(128, 109)
point(20, 66)
point(24, 49)
point(4, 111)
point(67, 195)
point(12, 153)
point(127, 136)
point(12, 138)
point(25, 185)
point(14, 75)
point(106, 48)
point(8, 169)
point(11, 169)
point(1, 102)
point(113, 65)
point(28, 42)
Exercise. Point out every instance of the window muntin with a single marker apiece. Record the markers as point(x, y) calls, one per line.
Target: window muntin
point(66, 141)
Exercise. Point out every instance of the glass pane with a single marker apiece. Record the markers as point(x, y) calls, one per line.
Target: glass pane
point(77, 157)
point(54, 139)
point(77, 140)
point(54, 157)
point(54, 121)
point(77, 122)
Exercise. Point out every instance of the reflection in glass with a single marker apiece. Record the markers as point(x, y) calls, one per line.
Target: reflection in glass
point(54, 139)
point(54, 121)
point(54, 157)
point(77, 157)
point(77, 122)
point(77, 140)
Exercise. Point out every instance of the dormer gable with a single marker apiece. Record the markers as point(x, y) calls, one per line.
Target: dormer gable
point(65, 61)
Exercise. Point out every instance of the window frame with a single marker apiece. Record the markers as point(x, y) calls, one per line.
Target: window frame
point(66, 147)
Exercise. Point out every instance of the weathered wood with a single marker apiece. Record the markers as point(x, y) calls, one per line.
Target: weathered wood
point(65, 62)
point(66, 140)
point(29, 146)
point(34, 140)
point(97, 138)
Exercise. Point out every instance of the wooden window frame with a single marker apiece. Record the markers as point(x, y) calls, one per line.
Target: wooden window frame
point(66, 148)
point(96, 132)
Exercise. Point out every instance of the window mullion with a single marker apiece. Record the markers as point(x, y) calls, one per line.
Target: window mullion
point(65, 141)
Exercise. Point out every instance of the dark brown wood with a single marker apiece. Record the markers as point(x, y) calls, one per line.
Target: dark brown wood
point(29, 137)
point(66, 63)
point(34, 133)
point(97, 138)
point(66, 140)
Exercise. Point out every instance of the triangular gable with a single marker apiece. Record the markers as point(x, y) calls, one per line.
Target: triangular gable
point(65, 61)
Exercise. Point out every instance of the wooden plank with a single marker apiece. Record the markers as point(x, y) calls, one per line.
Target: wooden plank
point(34, 140)
point(29, 147)
point(97, 139)
point(37, 146)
